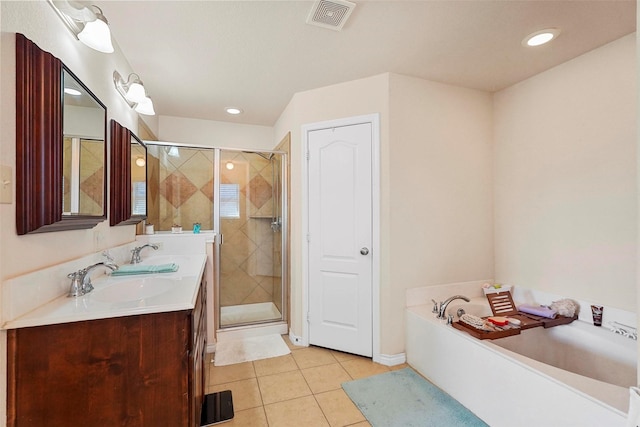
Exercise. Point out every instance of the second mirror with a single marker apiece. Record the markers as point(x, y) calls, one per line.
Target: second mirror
point(128, 177)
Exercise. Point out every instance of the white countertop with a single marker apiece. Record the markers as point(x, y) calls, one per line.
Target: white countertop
point(175, 291)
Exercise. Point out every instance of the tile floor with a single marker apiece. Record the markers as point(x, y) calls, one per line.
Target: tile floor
point(299, 389)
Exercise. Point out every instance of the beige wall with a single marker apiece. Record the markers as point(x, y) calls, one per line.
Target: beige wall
point(22, 254)
point(435, 185)
point(38, 22)
point(215, 134)
point(349, 99)
point(565, 178)
point(440, 193)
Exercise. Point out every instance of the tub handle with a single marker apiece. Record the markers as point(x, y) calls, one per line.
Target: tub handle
point(435, 307)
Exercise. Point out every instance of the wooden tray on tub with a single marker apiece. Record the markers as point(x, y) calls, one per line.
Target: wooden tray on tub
point(502, 305)
point(484, 335)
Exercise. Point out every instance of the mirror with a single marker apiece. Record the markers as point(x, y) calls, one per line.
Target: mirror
point(83, 154)
point(60, 146)
point(128, 177)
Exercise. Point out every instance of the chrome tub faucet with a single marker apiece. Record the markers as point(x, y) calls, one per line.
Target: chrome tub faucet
point(442, 311)
point(135, 252)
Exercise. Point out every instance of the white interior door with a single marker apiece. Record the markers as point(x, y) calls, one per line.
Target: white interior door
point(340, 238)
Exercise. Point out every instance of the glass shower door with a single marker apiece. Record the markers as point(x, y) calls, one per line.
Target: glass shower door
point(250, 267)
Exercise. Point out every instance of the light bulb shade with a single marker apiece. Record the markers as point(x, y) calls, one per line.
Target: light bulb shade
point(146, 107)
point(136, 92)
point(96, 35)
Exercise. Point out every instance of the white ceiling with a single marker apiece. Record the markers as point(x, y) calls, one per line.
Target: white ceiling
point(197, 57)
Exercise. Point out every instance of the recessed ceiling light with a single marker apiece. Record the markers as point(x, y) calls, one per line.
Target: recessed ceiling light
point(73, 92)
point(233, 110)
point(541, 37)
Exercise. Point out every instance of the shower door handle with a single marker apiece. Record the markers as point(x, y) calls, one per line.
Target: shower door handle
point(364, 251)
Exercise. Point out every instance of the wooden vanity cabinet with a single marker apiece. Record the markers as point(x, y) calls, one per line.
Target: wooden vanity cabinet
point(144, 370)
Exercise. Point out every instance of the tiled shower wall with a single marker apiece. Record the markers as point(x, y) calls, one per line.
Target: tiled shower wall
point(185, 188)
point(91, 176)
point(248, 272)
point(251, 255)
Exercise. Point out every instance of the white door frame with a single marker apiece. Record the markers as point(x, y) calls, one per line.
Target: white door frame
point(374, 119)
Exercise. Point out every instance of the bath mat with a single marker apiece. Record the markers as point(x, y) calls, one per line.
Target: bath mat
point(404, 398)
point(248, 349)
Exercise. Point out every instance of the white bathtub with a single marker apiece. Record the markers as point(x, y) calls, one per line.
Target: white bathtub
point(512, 381)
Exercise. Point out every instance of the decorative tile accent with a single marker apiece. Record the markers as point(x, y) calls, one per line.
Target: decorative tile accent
point(176, 188)
point(93, 186)
point(259, 191)
point(207, 190)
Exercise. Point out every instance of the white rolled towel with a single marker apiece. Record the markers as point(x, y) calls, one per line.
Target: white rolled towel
point(633, 417)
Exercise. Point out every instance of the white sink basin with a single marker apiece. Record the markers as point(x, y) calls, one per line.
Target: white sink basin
point(134, 289)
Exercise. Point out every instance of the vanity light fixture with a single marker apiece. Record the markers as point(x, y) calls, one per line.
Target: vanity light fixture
point(540, 37)
point(233, 110)
point(133, 92)
point(87, 24)
point(145, 107)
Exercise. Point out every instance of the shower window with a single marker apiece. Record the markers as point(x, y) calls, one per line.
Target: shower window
point(230, 201)
point(139, 198)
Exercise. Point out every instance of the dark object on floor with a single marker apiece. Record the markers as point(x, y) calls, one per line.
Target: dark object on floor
point(217, 408)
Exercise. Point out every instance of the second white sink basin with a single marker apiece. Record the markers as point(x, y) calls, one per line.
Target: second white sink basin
point(134, 289)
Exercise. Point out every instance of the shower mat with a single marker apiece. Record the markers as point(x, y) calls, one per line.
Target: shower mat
point(249, 349)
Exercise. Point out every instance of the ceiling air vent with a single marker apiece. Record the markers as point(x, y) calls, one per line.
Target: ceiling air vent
point(330, 14)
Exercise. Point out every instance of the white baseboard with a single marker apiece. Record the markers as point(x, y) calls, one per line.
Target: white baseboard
point(391, 359)
point(211, 348)
point(296, 340)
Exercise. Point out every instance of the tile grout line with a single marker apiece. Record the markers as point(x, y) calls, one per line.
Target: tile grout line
point(314, 395)
point(254, 371)
point(264, 410)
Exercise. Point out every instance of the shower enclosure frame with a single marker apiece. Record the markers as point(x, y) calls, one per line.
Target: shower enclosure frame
point(219, 240)
point(219, 237)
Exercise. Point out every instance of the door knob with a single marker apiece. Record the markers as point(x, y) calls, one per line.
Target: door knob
point(364, 251)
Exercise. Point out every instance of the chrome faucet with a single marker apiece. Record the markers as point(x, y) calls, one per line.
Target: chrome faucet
point(81, 279)
point(135, 252)
point(442, 311)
